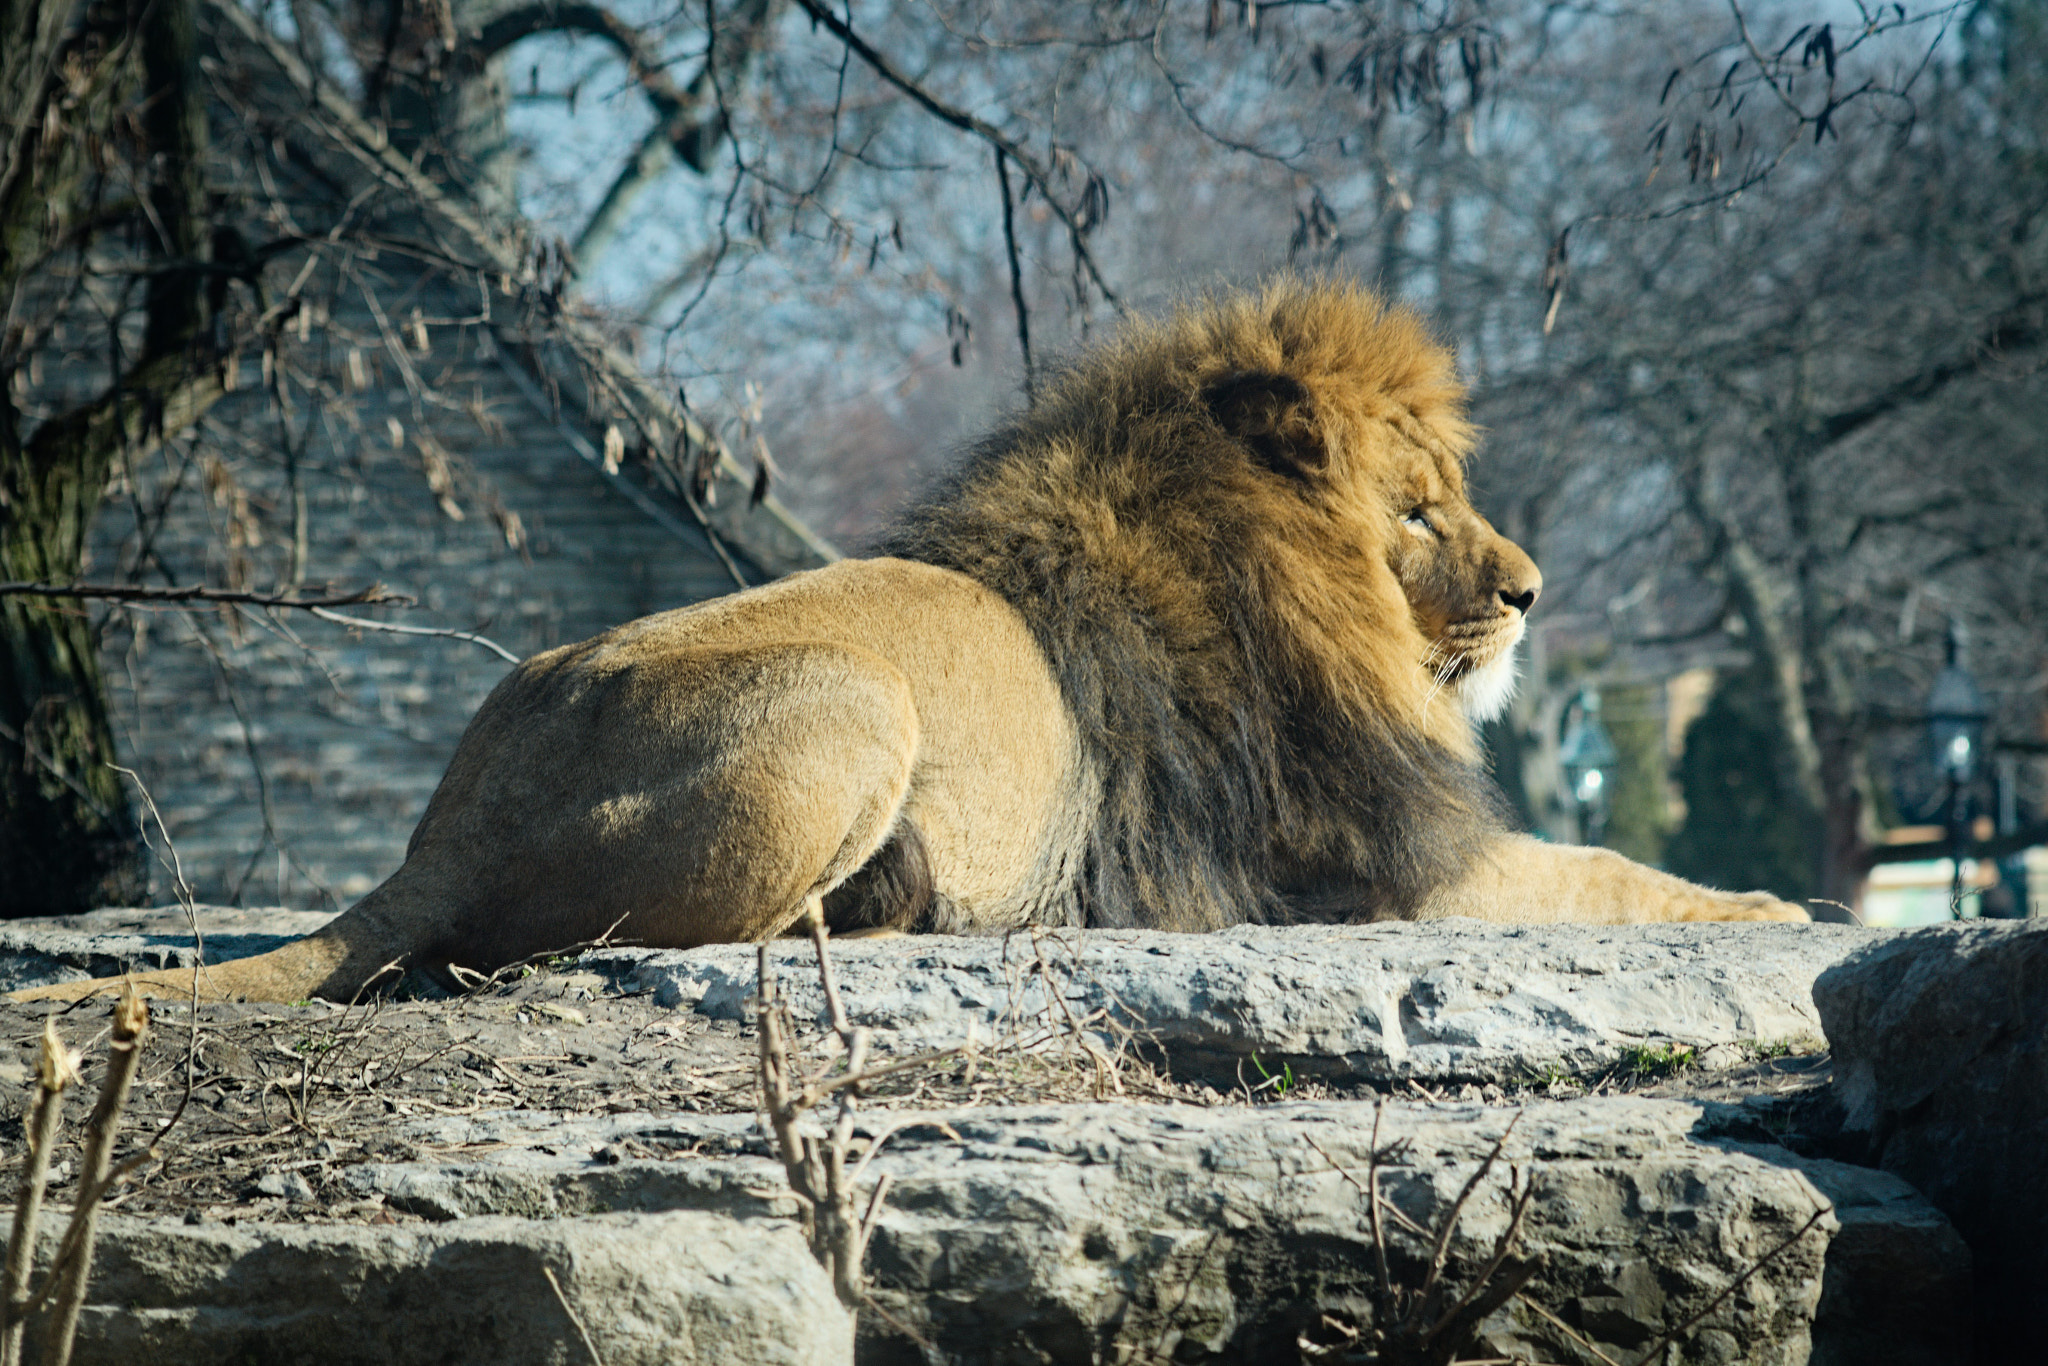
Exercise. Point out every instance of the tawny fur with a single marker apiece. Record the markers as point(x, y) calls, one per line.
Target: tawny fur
point(1197, 639)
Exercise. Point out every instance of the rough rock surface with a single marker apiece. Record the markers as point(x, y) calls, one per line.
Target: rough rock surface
point(1436, 1002)
point(1126, 1232)
point(1440, 1001)
point(1941, 1050)
point(337, 1146)
point(649, 1289)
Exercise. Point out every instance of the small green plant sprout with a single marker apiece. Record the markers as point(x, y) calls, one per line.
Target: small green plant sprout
point(1280, 1082)
point(1551, 1077)
point(1654, 1062)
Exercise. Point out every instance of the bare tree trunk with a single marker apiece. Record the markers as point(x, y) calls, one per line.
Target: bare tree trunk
point(1775, 613)
point(1765, 605)
point(1845, 850)
point(66, 841)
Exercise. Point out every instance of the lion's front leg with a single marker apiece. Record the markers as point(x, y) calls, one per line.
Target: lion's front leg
point(1526, 881)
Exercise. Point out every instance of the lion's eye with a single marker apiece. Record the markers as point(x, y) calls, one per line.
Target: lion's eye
point(1418, 520)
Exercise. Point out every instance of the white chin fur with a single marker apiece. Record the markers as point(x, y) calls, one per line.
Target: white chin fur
point(1485, 693)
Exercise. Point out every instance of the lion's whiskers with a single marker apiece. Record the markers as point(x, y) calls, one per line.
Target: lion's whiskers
point(1442, 675)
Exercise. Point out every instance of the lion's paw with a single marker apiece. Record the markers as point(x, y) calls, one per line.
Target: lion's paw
point(1747, 906)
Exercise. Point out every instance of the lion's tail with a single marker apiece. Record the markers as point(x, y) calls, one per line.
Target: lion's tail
point(358, 950)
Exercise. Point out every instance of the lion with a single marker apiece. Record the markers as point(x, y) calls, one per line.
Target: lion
point(1200, 637)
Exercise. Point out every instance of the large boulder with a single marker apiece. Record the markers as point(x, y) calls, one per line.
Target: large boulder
point(1447, 1001)
point(648, 1289)
point(1940, 1038)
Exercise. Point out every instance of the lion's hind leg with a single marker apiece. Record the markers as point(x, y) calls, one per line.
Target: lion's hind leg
point(668, 796)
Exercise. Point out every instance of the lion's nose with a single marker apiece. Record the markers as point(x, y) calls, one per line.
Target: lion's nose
point(1521, 601)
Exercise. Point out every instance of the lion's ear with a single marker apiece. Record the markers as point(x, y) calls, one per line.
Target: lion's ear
point(1273, 415)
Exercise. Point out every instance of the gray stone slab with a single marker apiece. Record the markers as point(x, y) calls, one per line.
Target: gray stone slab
point(1110, 1232)
point(1439, 1001)
point(1436, 1002)
point(651, 1290)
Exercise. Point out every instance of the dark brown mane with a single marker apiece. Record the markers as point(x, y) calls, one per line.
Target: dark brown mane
point(1242, 667)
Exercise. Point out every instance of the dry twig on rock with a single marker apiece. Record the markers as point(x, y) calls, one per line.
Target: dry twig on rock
point(1419, 1332)
point(57, 1071)
point(835, 1223)
point(574, 1318)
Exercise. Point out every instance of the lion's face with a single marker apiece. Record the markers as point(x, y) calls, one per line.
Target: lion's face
point(1470, 587)
point(1396, 483)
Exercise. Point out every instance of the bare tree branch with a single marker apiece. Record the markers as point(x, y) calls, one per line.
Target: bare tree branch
point(690, 121)
point(1016, 275)
point(981, 128)
point(393, 628)
point(374, 596)
point(2017, 328)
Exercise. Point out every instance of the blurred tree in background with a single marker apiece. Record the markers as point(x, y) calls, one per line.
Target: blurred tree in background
point(1641, 820)
point(1744, 825)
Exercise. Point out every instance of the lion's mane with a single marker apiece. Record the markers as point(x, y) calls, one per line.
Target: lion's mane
point(1243, 669)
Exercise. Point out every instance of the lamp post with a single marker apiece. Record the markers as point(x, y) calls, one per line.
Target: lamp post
point(1588, 756)
point(1956, 718)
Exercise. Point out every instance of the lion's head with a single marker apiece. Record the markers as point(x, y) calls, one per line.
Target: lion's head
point(1350, 409)
point(1242, 537)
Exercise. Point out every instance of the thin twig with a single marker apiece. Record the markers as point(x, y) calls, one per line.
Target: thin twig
point(1407, 1338)
point(1016, 275)
point(816, 1166)
point(574, 1317)
point(364, 624)
point(1670, 1336)
point(967, 123)
point(1568, 1330)
point(56, 1070)
point(376, 595)
point(124, 1055)
point(189, 904)
point(1449, 1224)
point(1503, 1248)
point(1372, 1180)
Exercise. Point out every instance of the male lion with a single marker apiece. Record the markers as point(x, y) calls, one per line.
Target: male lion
point(1199, 638)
